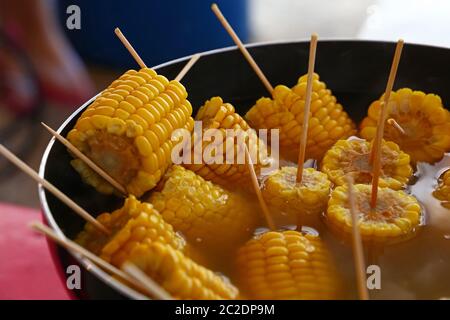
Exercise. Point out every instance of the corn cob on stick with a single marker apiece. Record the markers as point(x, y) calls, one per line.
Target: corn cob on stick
point(178, 274)
point(442, 191)
point(216, 114)
point(306, 200)
point(205, 213)
point(127, 130)
point(423, 118)
point(396, 217)
point(327, 124)
point(134, 221)
point(286, 265)
point(352, 157)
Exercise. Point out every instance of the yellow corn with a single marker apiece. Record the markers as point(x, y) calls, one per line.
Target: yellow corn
point(287, 265)
point(206, 214)
point(327, 124)
point(442, 191)
point(215, 114)
point(396, 217)
point(352, 157)
point(127, 130)
point(135, 221)
point(179, 275)
point(422, 116)
point(306, 201)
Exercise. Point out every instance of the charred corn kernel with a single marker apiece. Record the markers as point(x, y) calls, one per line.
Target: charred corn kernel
point(306, 201)
point(179, 275)
point(287, 265)
point(132, 219)
point(215, 114)
point(442, 191)
point(352, 157)
point(396, 217)
point(206, 214)
point(423, 117)
point(126, 127)
point(327, 124)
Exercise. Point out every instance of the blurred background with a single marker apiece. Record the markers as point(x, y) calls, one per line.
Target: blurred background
point(54, 55)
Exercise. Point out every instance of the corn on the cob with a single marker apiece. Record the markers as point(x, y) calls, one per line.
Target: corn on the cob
point(442, 191)
point(206, 214)
point(135, 221)
point(424, 119)
point(327, 124)
point(306, 201)
point(216, 114)
point(352, 157)
point(179, 275)
point(287, 265)
point(127, 130)
point(396, 217)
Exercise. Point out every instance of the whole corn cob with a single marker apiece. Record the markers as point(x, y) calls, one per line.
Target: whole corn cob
point(327, 124)
point(422, 116)
point(216, 114)
point(442, 191)
point(287, 265)
point(205, 213)
point(127, 130)
point(396, 217)
point(135, 221)
point(306, 201)
point(179, 275)
point(352, 157)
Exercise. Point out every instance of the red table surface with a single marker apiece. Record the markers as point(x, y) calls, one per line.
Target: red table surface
point(26, 267)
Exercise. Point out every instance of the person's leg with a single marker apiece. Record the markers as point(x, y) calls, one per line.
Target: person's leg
point(62, 74)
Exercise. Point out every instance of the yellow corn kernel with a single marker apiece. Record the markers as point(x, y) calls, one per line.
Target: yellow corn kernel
point(423, 118)
point(327, 124)
point(124, 135)
point(179, 275)
point(215, 114)
point(206, 214)
point(442, 191)
point(132, 218)
point(287, 265)
point(397, 215)
point(352, 157)
point(306, 201)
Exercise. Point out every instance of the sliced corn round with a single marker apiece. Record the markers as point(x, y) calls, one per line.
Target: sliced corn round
point(422, 116)
point(442, 191)
point(328, 121)
point(127, 130)
point(306, 201)
point(287, 265)
point(353, 157)
point(397, 215)
point(205, 213)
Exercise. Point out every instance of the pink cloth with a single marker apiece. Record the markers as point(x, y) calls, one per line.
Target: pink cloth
point(26, 267)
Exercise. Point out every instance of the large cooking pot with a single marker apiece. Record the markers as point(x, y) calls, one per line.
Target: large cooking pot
point(356, 72)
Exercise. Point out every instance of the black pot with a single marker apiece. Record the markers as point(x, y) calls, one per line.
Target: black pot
point(356, 72)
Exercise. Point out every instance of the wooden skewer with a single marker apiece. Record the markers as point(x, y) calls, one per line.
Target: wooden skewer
point(187, 67)
point(130, 48)
point(376, 152)
point(51, 188)
point(241, 47)
point(306, 111)
point(86, 160)
point(394, 124)
point(358, 254)
point(72, 246)
point(151, 286)
point(256, 187)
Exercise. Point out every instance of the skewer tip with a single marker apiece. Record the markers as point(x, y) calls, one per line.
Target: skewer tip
point(214, 6)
